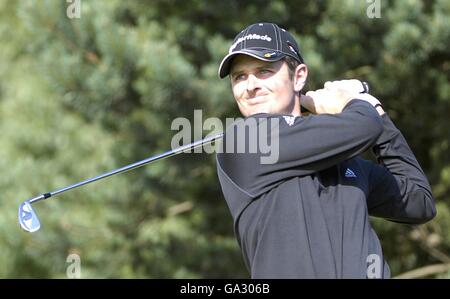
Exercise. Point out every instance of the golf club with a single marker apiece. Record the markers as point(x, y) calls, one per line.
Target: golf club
point(28, 219)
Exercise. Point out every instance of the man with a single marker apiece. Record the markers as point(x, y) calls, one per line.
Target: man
point(306, 214)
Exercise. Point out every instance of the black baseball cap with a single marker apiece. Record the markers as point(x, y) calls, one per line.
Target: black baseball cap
point(264, 41)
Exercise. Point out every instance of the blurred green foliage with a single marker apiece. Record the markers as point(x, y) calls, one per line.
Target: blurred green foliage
point(86, 95)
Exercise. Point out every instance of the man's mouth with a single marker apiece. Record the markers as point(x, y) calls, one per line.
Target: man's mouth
point(256, 100)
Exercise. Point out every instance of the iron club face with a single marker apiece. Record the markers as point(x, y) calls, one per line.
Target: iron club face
point(28, 219)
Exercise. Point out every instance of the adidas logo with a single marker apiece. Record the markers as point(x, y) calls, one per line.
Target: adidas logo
point(349, 173)
point(289, 119)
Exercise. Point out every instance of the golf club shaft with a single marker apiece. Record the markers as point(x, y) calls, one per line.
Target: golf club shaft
point(167, 154)
point(146, 161)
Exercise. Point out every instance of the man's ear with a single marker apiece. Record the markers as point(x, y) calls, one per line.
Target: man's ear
point(300, 76)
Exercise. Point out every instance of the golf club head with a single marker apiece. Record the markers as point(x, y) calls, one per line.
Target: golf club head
point(28, 219)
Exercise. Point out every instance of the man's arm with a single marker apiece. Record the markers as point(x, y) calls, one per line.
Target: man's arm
point(400, 191)
point(307, 145)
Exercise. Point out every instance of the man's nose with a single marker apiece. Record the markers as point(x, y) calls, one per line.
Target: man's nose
point(252, 82)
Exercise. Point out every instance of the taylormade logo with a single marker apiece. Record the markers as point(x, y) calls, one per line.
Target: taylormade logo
point(250, 36)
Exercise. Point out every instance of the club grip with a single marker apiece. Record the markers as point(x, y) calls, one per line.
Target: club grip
point(365, 86)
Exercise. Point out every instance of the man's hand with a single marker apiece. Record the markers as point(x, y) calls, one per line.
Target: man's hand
point(362, 90)
point(351, 85)
point(330, 99)
point(340, 89)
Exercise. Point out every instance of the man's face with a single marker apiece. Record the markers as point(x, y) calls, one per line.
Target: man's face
point(262, 87)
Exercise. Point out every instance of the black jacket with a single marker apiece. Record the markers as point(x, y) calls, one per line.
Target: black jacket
point(306, 216)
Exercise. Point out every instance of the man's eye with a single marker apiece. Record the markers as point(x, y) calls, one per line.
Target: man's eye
point(239, 77)
point(264, 71)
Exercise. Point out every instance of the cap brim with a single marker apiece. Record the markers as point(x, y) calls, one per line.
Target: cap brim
point(225, 65)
